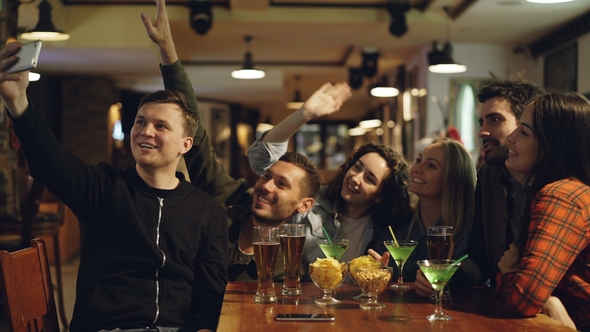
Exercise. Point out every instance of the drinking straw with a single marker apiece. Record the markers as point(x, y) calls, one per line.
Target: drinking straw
point(458, 261)
point(393, 236)
point(326, 234)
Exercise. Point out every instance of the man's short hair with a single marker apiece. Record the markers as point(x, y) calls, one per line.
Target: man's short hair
point(518, 92)
point(310, 184)
point(189, 114)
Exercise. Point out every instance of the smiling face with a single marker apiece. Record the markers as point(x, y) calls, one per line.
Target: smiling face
point(523, 151)
point(497, 121)
point(363, 182)
point(428, 172)
point(277, 194)
point(158, 137)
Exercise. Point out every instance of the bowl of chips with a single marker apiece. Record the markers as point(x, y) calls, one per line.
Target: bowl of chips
point(362, 261)
point(327, 274)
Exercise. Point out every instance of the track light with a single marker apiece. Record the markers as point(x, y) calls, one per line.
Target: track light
point(442, 61)
point(248, 72)
point(296, 103)
point(201, 16)
point(369, 64)
point(355, 77)
point(397, 10)
point(44, 30)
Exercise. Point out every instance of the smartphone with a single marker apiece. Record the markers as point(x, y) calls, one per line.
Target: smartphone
point(28, 56)
point(306, 317)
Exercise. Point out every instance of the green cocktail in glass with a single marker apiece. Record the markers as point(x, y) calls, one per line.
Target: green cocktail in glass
point(438, 272)
point(335, 249)
point(400, 251)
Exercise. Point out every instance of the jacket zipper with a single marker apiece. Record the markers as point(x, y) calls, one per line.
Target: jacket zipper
point(161, 203)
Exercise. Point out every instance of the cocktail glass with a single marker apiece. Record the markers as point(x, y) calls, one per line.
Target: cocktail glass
point(334, 249)
point(327, 274)
point(400, 251)
point(362, 261)
point(438, 272)
point(440, 243)
point(373, 281)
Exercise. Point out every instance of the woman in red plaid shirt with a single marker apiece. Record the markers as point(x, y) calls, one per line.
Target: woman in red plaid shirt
point(551, 148)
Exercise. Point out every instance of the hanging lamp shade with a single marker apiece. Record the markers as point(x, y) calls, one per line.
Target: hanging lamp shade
point(45, 30)
point(248, 72)
point(296, 103)
point(383, 89)
point(442, 61)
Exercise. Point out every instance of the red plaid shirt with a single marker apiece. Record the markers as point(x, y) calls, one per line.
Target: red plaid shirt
point(556, 260)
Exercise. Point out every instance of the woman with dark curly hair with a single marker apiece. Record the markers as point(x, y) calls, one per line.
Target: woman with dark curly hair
point(368, 194)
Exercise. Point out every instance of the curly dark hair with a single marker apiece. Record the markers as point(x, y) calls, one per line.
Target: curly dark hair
point(518, 92)
point(395, 205)
point(310, 184)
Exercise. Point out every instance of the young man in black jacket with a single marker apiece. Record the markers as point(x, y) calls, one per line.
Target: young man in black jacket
point(153, 247)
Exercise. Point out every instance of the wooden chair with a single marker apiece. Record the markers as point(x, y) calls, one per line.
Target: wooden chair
point(29, 223)
point(27, 289)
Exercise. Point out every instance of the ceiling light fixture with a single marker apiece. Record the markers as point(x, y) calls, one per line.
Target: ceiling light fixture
point(369, 65)
point(397, 10)
point(355, 77)
point(248, 72)
point(383, 90)
point(44, 30)
point(368, 124)
point(356, 131)
point(441, 61)
point(34, 77)
point(201, 16)
point(297, 103)
point(549, 1)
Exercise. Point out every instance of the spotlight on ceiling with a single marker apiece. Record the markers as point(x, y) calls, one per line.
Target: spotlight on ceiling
point(369, 64)
point(442, 61)
point(44, 30)
point(248, 72)
point(383, 89)
point(355, 77)
point(201, 16)
point(397, 10)
point(296, 103)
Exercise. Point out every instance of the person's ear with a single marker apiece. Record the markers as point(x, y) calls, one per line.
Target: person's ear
point(305, 205)
point(186, 145)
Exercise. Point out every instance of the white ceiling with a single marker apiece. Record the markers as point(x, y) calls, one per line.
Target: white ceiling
point(110, 40)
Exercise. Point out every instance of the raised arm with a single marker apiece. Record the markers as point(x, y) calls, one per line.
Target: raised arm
point(13, 87)
point(206, 173)
point(326, 100)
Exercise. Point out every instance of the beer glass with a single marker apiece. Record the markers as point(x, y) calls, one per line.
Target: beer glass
point(292, 238)
point(440, 243)
point(266, 247)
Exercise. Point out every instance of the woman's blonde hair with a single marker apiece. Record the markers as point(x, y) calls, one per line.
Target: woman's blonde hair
point(458, 192)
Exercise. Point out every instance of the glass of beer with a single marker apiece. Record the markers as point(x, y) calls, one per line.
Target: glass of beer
point(292, 238)
point(266, 248)
point(440, 243)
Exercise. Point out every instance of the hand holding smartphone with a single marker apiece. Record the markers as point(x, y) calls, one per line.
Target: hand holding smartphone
point(28, 56)
point(305, 317)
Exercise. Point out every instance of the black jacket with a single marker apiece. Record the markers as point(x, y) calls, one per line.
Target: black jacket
point(143, 260)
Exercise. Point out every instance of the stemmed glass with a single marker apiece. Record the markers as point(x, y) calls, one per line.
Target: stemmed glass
point(363, 261)
point(440, 243)
point(400, 251)
point(373, 281)
point(334, 248)
point(327, 274)
point(438, 272)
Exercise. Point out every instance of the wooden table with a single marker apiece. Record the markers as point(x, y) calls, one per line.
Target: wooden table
point(473, 310)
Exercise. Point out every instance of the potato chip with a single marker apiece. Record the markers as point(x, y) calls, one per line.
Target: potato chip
point(327, 273)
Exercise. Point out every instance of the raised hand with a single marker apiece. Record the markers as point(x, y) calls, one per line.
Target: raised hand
point(326, 100)
point(13, 87)
point(159, 32)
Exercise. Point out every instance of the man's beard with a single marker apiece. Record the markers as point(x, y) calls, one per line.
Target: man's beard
point(496, 156)
point(268, 220)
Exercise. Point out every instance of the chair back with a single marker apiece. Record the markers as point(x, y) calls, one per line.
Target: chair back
point(27, 291)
